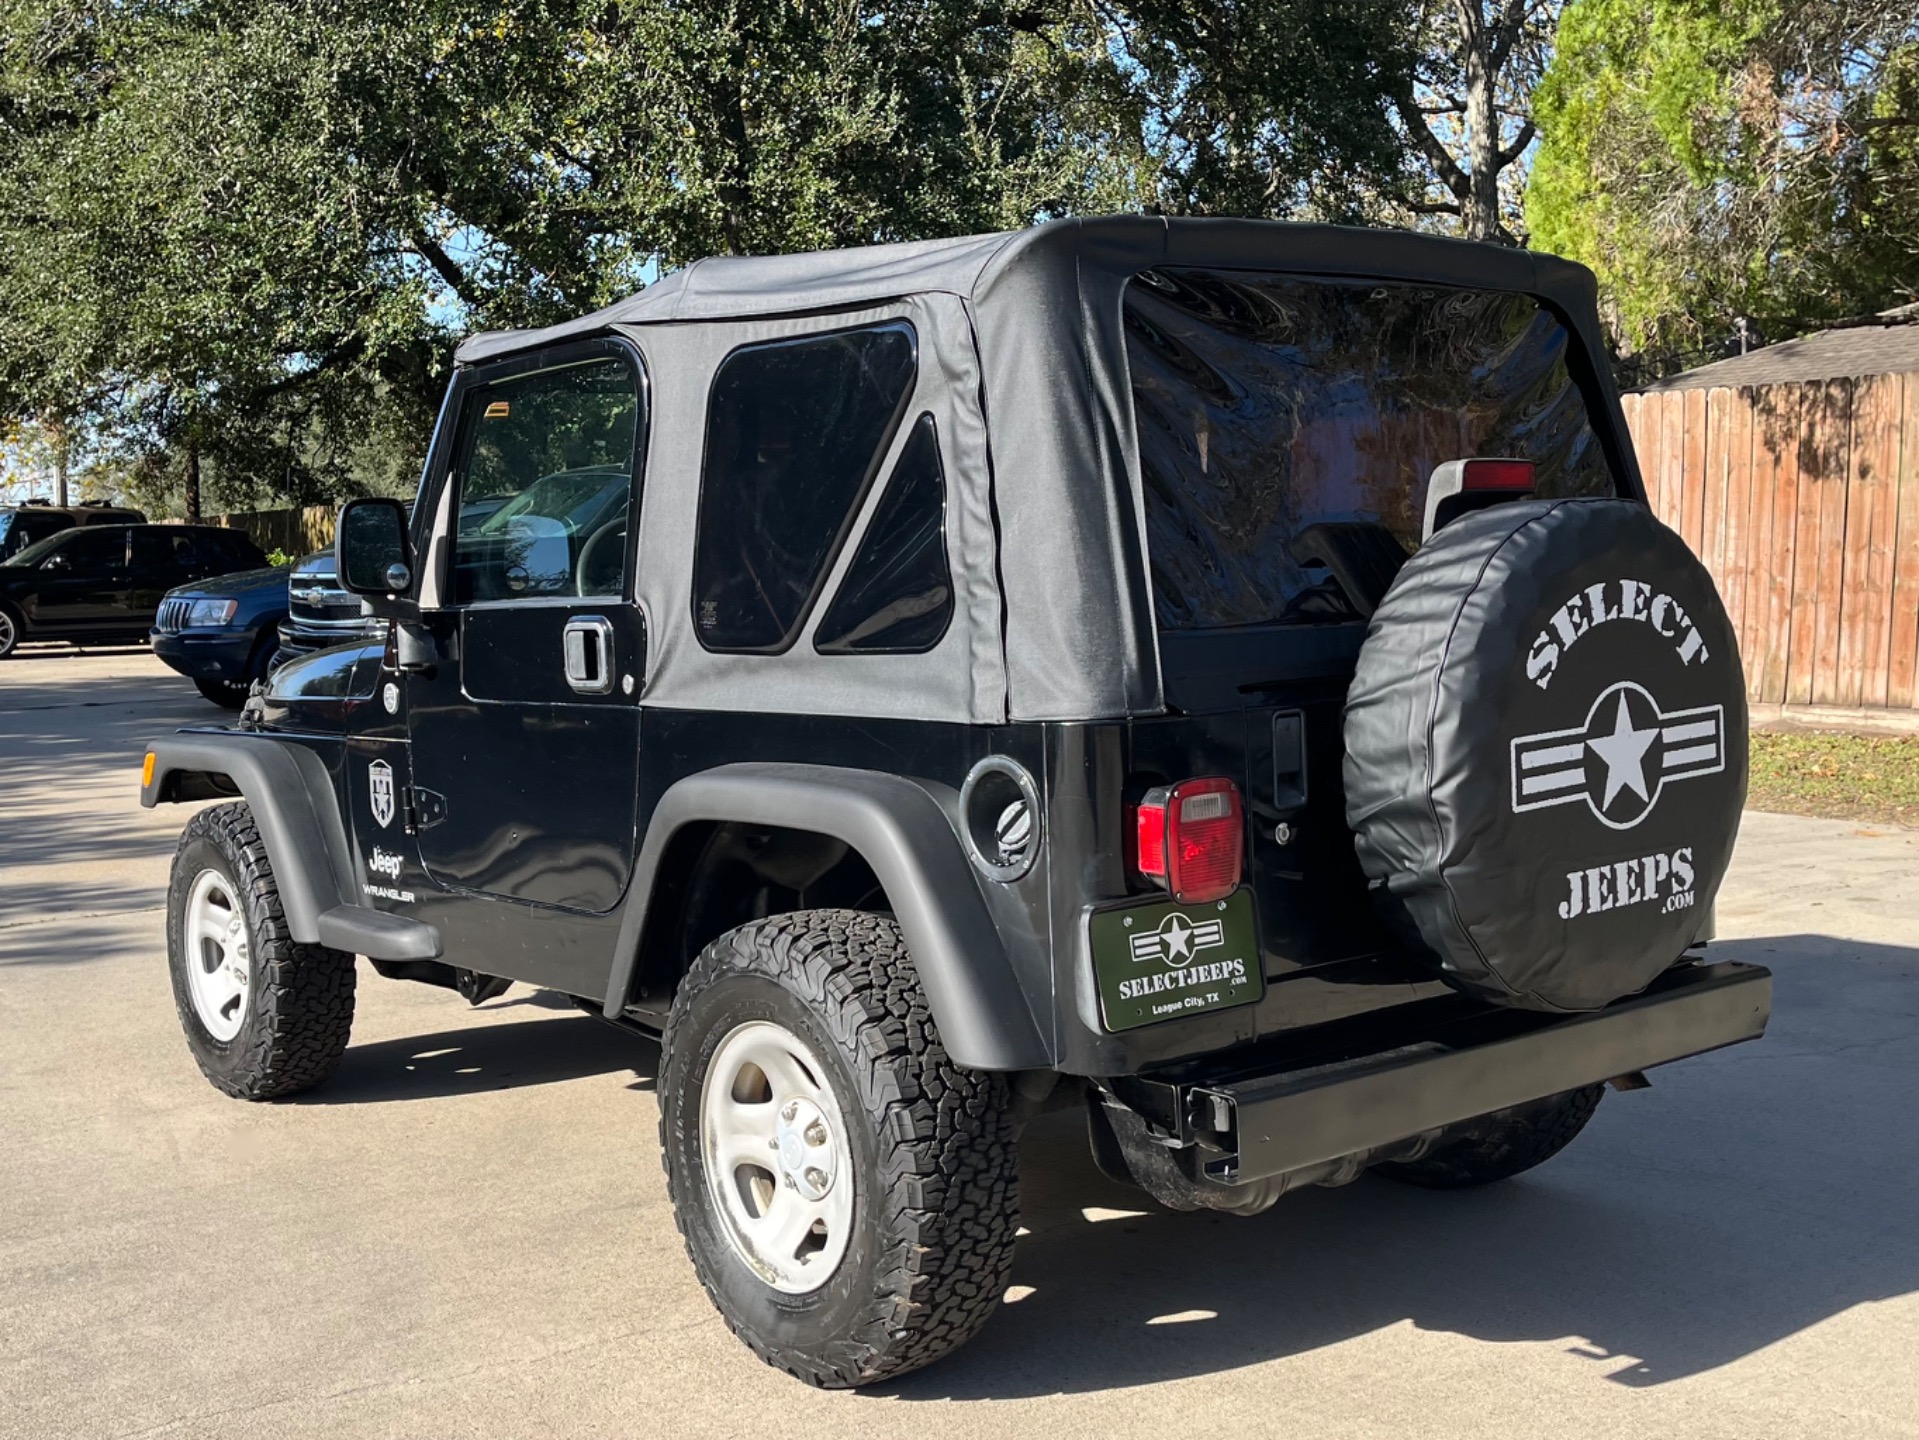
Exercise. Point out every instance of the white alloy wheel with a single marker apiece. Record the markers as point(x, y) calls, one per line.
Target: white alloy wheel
point(777, 1164)
point(9, 633)
point(219, 965)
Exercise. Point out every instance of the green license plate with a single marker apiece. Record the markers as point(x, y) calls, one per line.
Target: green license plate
point(1165, 961)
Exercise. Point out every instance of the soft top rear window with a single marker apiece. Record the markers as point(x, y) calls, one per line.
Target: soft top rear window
point(1283, 415)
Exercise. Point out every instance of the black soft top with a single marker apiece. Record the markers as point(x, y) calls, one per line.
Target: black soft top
point(1023, 360)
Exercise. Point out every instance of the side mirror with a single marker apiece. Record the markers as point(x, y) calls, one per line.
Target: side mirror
point(370, 549)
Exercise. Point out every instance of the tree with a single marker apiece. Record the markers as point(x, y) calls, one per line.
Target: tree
point(174, 270)
point(241, 237)
point(1264, 108)
point(245, 235)
point(1465, 108)
point(1734, 161)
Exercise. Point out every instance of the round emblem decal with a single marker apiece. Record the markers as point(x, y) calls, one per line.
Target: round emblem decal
point(1178, 940)
point(1621, 758)
point(1546, 751)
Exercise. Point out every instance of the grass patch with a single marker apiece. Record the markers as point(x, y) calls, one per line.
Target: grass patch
point(1845, 777)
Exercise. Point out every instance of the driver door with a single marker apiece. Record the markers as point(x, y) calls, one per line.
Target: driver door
point(82, 585)
point(525, 737)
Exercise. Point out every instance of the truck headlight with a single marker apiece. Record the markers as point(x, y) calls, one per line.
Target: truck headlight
point(210, 612)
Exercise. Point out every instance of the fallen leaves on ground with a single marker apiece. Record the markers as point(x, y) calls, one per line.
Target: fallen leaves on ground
point(1845, 777)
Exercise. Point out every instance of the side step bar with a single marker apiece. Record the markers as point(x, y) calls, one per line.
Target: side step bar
point(1273, 1124)
point(377, 934)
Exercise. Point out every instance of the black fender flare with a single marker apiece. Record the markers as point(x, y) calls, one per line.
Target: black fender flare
point(903, 830)
point(291, 794)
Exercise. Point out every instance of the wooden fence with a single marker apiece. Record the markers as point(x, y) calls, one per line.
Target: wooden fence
point(1803, 501)
point(296, 532)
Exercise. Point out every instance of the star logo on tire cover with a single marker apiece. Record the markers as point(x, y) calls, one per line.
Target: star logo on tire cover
point(1619, 761)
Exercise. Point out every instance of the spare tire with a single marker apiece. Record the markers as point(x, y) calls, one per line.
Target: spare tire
point(1546, 751)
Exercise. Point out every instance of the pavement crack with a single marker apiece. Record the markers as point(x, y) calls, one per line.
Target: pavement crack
point(79, 915)
point(371, 1386)
point(1828, 1052)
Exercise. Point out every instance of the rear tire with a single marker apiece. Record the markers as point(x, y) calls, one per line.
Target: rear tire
point(263, 1015)
point(227, 694)
point(914, 1260)
point(1501, 1145)
point(12, 630)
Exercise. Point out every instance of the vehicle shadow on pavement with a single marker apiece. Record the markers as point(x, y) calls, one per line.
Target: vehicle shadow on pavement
point(74, 938)
point(154, 703)
point(486, 1057)
point(66, 839)
point(1737, 1202)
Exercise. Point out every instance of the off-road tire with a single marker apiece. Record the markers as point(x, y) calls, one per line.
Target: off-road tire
point(227, 694)
point(1500, 1145)
point(300, 1006)
point(934, 1159)
point(13, 629)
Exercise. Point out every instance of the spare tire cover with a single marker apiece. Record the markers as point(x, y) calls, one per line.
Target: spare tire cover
point(1546, 751)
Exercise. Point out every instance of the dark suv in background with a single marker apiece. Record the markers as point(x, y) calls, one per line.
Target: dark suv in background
point(222, 634)
point(103, 583)
point(24, 525)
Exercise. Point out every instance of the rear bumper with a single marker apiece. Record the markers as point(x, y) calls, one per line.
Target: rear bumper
point(1253, 1127)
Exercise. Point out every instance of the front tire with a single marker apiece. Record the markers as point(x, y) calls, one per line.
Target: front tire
point(869, 1229)
point(263, 1015)
point(1501, 1145)
point(227, 694)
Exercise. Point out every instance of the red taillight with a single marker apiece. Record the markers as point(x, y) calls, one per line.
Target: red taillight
point(1191, 838)
point(1496, 475)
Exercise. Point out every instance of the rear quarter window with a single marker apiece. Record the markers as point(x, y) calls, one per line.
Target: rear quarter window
point(897, 597)
point(795, 430)
point(1281, 414)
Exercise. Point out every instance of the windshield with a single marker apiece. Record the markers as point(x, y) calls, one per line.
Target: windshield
point(1288, 425)
point(21, 528)
point(40, 549)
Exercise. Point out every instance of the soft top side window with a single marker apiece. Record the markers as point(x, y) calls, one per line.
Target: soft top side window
point(93, 549)
point(897, 597)
point(795, 430)
point(546, 474)
point(157, 547)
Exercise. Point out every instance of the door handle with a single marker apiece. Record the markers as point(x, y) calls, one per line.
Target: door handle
point(587, 647)
point(1289, 762)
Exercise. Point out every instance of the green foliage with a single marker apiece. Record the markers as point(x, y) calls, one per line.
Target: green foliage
point(1265, 109)
point(237, 240)
point(1717, 159)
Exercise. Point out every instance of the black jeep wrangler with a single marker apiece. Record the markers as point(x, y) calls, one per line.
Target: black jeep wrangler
point(1221, 675)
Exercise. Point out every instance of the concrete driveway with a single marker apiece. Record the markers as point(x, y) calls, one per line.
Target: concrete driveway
point(466, 1232)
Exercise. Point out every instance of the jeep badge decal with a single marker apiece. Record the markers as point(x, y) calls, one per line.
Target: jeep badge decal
point(1620, 760)
point(379, 777)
